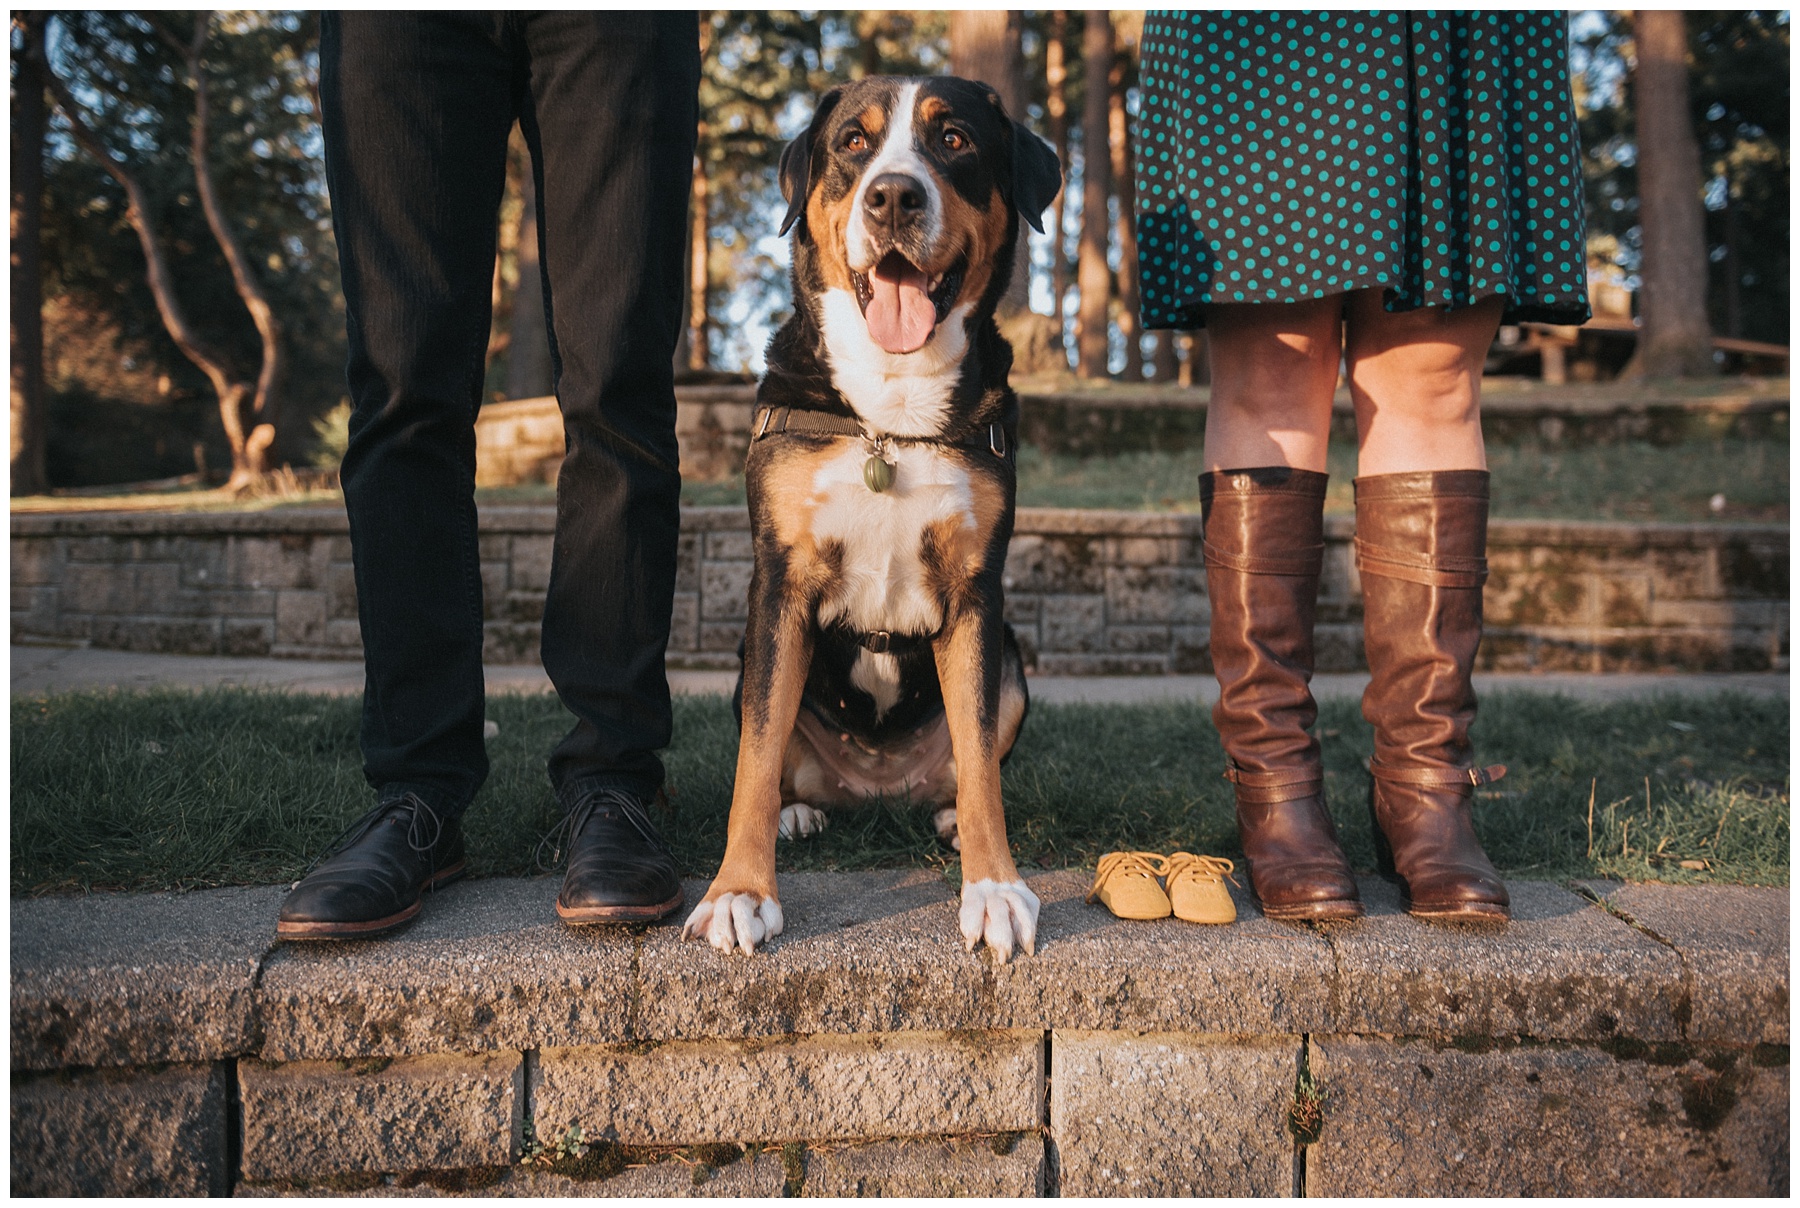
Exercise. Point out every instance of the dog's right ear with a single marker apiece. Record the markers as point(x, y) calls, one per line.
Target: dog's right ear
point(796, 160)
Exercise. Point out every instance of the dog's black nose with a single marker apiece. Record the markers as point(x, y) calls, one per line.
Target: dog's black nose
point(893, 200)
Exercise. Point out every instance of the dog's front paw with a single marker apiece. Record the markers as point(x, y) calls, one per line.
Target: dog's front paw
point(735, 920)
point(800, 819)
point(999, 912)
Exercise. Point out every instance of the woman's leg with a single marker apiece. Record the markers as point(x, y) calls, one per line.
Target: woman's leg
point(1421, 527)
point(1262, 500)
point(1415, 378)
point(1274, 370)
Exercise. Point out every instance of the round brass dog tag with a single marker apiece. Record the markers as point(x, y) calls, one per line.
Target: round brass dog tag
point(878, 475)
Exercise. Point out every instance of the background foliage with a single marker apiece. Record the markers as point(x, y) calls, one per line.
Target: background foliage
point(125, 405)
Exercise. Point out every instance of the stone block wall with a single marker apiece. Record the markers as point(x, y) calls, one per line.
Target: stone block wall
point(163, 1044)
point(1089, 592)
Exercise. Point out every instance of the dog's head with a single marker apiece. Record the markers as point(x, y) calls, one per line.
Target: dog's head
point(908, 194)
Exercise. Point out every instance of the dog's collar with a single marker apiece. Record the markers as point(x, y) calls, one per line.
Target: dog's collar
point(777, 421)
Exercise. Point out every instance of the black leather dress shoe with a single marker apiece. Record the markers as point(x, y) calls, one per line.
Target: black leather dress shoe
point(620, 870)
point(372, 878)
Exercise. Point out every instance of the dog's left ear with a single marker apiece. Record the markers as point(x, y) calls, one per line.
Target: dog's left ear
point(1036, 176)
point(796, 160)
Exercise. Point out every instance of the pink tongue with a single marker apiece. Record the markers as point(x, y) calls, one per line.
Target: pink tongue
point(900, 314)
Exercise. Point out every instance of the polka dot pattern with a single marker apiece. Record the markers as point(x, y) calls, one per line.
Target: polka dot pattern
point(1291, 155)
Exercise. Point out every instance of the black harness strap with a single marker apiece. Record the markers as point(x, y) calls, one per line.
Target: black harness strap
point(775, 421)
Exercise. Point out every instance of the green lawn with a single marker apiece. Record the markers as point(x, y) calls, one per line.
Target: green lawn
point(183, 790)
point(1632, 480)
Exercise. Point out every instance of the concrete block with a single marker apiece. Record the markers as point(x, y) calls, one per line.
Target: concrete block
point(1009, 1165)
point(684, 622)
point(1074, 623)
point(1413, 1118)
point(642, 1175)
point(1733, 941)
point(1563, 969)
point(120, 1132)
point(687, 561)
point(97, 587)
point(530, 557)
point(793, 1088)
point(416, 1113)
point(1172, 1113)
point(493, 586)
point(276, 561)
point(344, 636)
point(1752, 567)
point(869, 952)
point(725, 590)
point(135, 979)
point(155, 586)
point(340, 591)
point(487, 966)
point(38, 561)
point(246, 638)
point(729, 546)
point(507, 642)
point(721, 636)
point(299, 617)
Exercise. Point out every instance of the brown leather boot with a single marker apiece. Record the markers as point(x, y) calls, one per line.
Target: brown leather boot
point(1265, 543)
point(1421, 545)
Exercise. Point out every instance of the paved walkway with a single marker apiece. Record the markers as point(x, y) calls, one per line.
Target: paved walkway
point(39, 669)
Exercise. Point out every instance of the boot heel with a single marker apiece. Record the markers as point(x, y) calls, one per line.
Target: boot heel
point(1384, 851)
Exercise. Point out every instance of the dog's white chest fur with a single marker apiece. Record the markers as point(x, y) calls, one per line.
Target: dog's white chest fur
point(882, 584)
point(900, 394)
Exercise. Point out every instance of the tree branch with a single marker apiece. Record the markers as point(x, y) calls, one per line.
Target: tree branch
point(137, 212)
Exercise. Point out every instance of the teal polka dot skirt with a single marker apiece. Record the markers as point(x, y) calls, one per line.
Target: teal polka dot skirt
point(1291, 155)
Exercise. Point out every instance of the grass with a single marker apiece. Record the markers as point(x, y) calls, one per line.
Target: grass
point(1632, 480)
point(185, 790)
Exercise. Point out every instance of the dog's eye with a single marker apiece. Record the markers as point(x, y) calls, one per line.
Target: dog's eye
point(954, 140)
point(855, 141)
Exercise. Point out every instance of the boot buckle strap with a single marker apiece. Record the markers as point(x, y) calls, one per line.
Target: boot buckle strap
point(1430, 570)
point(1307, 561)
point(1438, 777)
point(1272, 788)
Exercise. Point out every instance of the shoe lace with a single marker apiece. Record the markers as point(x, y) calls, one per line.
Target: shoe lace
point(1186, 866)
point(1126, 864)
point(421, 814)
point(607, 803)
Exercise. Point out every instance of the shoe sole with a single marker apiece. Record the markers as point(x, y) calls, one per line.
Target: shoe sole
point(1315, 912)
point(578, 915)
point(1463, 912)
point(285, 930)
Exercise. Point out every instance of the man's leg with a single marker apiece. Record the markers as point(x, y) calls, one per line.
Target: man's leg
point(611, 119)
point(417, 109)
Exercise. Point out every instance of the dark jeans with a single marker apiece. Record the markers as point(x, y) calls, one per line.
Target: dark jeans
point(417, 110)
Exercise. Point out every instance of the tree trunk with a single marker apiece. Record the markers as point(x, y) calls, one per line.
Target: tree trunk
point(699, 276)
point(1675, 340)
point(1165, 366)
point(1094, 277)
point(1125, 186)
point(250, 455)
point(231, 392)
point(1056, 109)
point(29, 476)
point(984, 46)
point(528, 372)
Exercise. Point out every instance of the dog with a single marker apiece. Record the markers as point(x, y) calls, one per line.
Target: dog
point(881, 483)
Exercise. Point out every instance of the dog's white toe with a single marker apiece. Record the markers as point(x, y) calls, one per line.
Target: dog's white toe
point(737, 921)
point(944, 822)
point(800, 819)
point(1000, 912)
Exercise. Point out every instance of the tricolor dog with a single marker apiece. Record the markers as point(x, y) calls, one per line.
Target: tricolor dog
point(881, 482)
